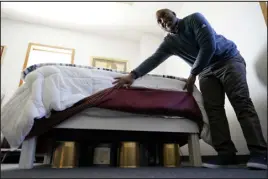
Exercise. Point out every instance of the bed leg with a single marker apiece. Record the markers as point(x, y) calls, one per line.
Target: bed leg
point(48, 154)
point(27, 155)
point(194, 150)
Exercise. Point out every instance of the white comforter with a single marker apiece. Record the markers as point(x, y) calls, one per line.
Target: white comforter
point(59, 87)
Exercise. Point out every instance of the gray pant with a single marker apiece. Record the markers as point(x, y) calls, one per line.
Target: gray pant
point(230, 77)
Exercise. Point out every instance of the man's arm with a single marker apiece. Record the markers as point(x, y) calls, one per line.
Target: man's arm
point(161, 54)
point(205, 37)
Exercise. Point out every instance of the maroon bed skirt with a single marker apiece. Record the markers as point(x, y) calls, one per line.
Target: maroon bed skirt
point(153, 102)
point(134, 100)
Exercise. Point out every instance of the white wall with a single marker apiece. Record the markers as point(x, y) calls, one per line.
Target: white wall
point(16, 36)
point(243, 23)
point(148, 45)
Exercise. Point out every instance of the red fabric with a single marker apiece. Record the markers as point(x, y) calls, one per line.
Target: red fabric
point(135, 100)
point(153, 102)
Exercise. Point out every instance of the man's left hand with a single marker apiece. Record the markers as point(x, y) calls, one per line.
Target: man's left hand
point(190, 84)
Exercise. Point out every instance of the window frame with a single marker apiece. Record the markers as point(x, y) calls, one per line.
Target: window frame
point(3, 49)
point(264, 9)
point(30, 46)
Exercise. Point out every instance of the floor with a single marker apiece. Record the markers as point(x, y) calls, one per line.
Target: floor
point(40, 171)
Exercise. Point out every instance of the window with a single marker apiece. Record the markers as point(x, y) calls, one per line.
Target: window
point(2, 52)
point(114, 64)
point(37, 53)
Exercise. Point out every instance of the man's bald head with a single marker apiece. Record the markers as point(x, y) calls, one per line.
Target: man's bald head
point(166, 18)
point(162, 12)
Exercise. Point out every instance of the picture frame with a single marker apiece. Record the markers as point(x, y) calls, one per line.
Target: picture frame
point(109, 63)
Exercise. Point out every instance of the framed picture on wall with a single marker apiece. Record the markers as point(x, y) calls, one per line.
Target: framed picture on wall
point(114, 64)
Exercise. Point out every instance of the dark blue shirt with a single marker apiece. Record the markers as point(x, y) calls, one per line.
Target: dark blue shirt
point(196, 42)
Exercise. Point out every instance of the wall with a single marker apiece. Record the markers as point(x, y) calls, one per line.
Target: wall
point(148, 45)
point(16, 36)
point(243, 23)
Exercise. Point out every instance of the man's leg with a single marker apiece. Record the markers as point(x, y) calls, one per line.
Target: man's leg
point(233, 77)
point(213, 96)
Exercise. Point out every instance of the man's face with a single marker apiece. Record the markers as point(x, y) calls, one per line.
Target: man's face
point(166, 19)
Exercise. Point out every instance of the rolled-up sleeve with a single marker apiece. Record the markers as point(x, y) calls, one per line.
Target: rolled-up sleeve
point(205, 37)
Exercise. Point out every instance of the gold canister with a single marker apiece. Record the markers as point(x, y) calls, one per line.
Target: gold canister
point(129, 155)
point(171, 155)
point(65, 155)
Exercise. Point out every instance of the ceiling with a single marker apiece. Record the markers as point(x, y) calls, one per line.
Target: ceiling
point(125, 19)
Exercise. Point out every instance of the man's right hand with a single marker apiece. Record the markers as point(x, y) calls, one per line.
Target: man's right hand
point(123, 81)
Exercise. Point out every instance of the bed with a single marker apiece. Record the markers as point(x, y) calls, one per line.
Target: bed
point(66, 96)
point(84, 120)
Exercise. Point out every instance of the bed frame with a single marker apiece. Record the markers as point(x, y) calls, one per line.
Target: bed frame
point(155, 124)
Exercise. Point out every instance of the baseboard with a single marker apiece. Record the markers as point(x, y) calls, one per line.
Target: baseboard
point(241, 159)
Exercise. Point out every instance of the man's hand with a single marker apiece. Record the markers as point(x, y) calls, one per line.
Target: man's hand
point(124, 81)
point(190, 84)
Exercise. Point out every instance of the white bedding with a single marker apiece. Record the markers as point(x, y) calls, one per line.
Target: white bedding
point(59, 87)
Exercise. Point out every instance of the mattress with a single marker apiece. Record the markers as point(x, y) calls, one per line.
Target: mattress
point(107, 113)
point(58, 87)
point(105, 119)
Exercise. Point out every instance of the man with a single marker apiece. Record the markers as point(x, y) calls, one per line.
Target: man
point(221, 70)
